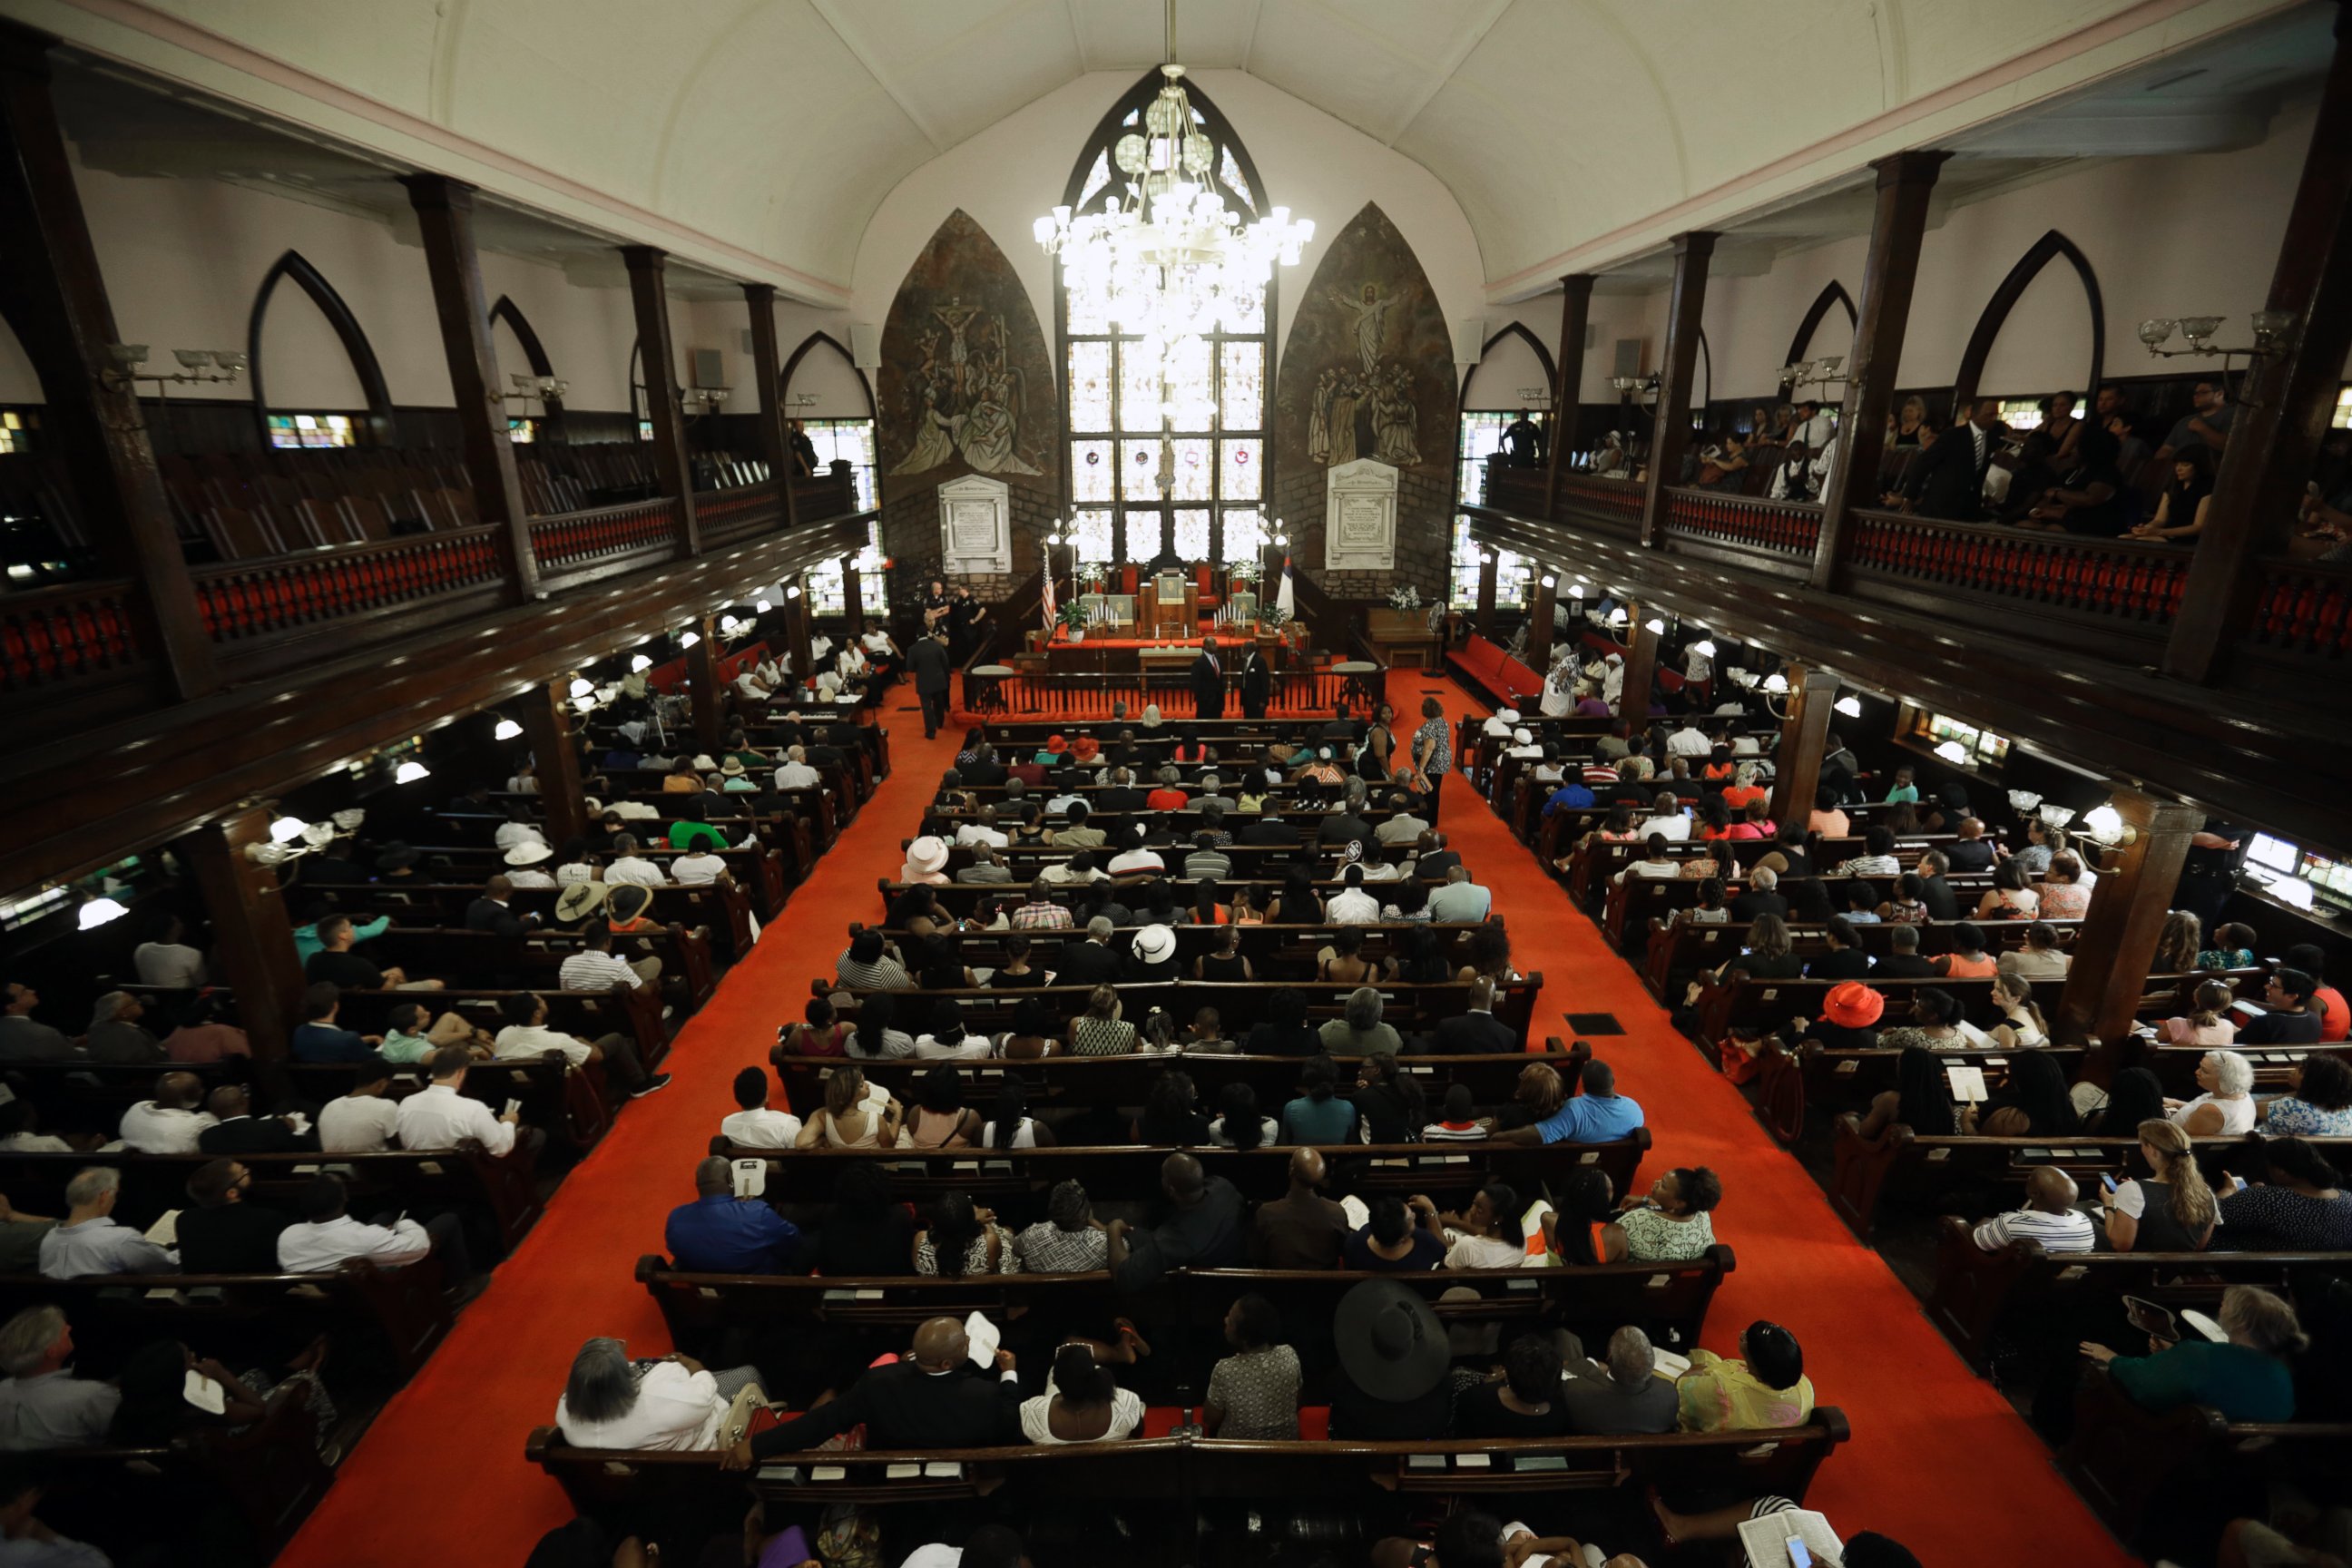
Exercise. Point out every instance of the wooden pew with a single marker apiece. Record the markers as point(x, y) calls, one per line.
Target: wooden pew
point(539, 954)
point(1408, 1006)
point(1676, 952)
point(1769, 1004)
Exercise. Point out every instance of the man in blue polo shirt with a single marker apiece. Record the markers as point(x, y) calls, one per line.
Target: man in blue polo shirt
point(1599, 1115)
point(1571, 796)
point(718, 1233)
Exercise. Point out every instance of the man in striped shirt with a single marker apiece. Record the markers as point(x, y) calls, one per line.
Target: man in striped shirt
point(2049, 1218)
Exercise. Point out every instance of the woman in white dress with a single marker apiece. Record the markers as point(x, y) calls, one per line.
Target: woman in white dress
point(1081, 1403)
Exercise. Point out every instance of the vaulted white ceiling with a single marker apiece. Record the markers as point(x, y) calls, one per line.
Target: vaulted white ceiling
point(757, 136)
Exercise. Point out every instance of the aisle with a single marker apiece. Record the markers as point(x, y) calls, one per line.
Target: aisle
point(440, 1477)
point(1938, 1460)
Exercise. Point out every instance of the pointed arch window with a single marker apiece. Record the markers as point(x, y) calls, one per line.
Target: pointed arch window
point(1141, 481)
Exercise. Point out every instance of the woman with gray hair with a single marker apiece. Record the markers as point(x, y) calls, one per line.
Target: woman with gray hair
point(117, 1036)
point(674, 1403)
point(2246, 1376)
point(1359, 1031)
point(2226, 1109)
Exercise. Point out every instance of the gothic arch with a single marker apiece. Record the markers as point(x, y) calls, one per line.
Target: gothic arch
point(1833, 293)
point(1511, 328)
point(535, 354)
point(339, 316)
point(2005, 299)
point(827, 340)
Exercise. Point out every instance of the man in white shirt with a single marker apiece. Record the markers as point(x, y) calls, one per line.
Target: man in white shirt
point(593, 967)
point(1501, 723)
point(795, 772)
point(1134, 862)
point(170, 1124)
point(90, 1242)
point(168, 961)
point(441, 1113)
point(748, 686)
point(628, 865)
point(326, 1237)
point(1351, 906)
point(698, 868)
point(1613, 680)
point(363, 1121)
point(2049, 1218)
point(517, 829)
point(1814, 427)
point(1669, 823)
point(983, 831)
point(527, 1035)
point(42, 1405)
point(753, 1125)
point(1688, 742)
point(1077, 869)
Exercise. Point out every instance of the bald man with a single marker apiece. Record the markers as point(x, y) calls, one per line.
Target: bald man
point(720, 1232)
point(2049, 1218)
point(1202, 1225)
point(1301, 1229)
point(931, 1398)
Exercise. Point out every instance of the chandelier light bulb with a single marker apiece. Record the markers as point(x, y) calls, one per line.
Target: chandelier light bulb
point(99, 910)
point(1704, 647)
point(507, 730)
point(1849, 706)
point(409, 771)
point(1953, 753)
point(687, 639)
point(582, 685)
point(287, 829)
point(639, 664)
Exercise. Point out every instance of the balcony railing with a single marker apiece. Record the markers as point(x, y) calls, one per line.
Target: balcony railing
point(245, 599)
point(2114, 581)
point(1617, 502)
point(569, 538)
point(2306, 609)
point(1785, 528)
point(53, 639)
point(730, 515)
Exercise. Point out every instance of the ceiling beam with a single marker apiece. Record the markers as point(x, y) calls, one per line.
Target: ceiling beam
point(829, 11)
point(1471, 37)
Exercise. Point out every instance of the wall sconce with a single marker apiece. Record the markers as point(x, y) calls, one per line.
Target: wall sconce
point(2107, 827)
point(761, 606)
point(586, 704)
point(534, 389)
point(792, 592)
point(1549, 581)
point(409, 771)
point(98, 909)
point(1617, 617)
point(582, 685)
point(2274, 332)
point(1953, 753)
point(1806, 373)
point(195, 365)
point(1849, 705)
point(1654, 627)
point(696, 400)
point(1776, 684)
point(1639, 388)
point(687, 639)
point(639, 664)
point(507, 729)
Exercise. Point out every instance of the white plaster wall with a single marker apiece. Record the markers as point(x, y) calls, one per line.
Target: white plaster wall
point(1510, 368)
point(1612, 318)
point(18, 384)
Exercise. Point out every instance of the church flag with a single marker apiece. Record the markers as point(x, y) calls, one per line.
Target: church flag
point(1283, 599)
point(1046, 600)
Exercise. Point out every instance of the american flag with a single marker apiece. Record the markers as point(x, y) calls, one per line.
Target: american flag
point(1046, 599)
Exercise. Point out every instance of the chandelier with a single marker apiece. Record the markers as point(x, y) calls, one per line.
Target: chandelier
point(1169, 260)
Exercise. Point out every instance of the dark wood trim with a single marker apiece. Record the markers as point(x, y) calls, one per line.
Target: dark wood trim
point(1567, 383)
point(1670, 427)
point(444, 218)
point(706, 699)
point(545, 713)
point(54, 294)
point(1540, 618)
point(535, 354)
point(657, 363)
point(775, 437)
point(1898, 225)
point(313, 282)
point(2040, 254)
point(1833, 293)
point(1641, 663)
point(1490, 571)
point(253, 933)
point(2286, 400)
point(2116, 941)
point(1804, 742)
point(827, 340)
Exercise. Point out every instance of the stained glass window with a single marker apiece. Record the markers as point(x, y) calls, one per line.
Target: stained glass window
point(312, 431)
point(1482, 437)
point(1209, 410)
point(18, 426)
point(850, 441)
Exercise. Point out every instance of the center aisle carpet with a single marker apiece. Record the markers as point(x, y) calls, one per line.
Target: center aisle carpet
point(1927, 1432)
point(440, 1477)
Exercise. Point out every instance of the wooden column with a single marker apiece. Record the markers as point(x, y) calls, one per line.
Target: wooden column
point(2116, 941)
point(1575, 315)
point(657, 362)
point(253, 934)
point(853, 596)
point(775, 436)
point(52, 293)
point(2285, 400)
point(1805, 741)
point(445, 216)
point(1905, 181)
point(800, 617)
point(1490, 567)
point(1539, 620)
point(702, 685)
point(546, 718)
point(1672, 431)
point(1641, 668)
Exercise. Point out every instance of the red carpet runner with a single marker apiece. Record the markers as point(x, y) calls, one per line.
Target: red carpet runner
point(1938, 1460)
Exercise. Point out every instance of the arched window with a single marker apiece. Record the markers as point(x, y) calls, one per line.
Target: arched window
point(1139, 484)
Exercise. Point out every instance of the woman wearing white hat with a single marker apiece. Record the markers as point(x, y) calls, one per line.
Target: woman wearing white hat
point(927, 860)
point(1155, 954)
point(523, 865)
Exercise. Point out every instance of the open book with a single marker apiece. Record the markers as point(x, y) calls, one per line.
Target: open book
point(1765, 1540)
point(985, 1337)
point(1968, 1083)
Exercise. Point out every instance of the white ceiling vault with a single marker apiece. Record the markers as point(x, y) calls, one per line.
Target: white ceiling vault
point(755, 138)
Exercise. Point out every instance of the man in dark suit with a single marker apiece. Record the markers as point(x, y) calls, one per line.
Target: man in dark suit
point(1121, 795)
point(223, 1234)
point(1943, 904)
point(929, 661)
point(239, 1131)
point(1273, 830)
point(494, 910)
point(1947, 480)
point(1093, 962)
point(1477, 1032)
point(1433, 859)
point(931, 1399)
point(1209, 683)
point(1762, 896)
point(1257, 682)
point(985, 771)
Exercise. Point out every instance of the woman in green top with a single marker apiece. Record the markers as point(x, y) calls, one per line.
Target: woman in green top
point(2246, 1377)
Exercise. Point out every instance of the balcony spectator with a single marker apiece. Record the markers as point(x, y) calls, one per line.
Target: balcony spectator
point(166, 960)
point(2207, 421)
point(201, 1038)
point(2180, 510)
point(170, 1124)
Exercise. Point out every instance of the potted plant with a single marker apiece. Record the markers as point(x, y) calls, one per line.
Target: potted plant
point(1073, 619)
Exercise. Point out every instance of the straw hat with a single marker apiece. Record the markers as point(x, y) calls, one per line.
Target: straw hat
point(577, 900)
point(628, 901)
point(1155, 944)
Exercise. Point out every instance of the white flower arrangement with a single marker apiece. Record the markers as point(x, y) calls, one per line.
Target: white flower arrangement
point(1405, 597)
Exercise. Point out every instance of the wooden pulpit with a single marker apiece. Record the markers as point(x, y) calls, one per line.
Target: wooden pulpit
point(1168, 604)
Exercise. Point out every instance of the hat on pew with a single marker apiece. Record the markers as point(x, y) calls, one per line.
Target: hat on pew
point(1389, 1342)
point(395, 857)
point(732, 767)
point(349, 819)
point(579, 900)
point(928, 854)
point(530, 852)
point(1155, 944)
point(1851, 1005)
point(628, 901)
